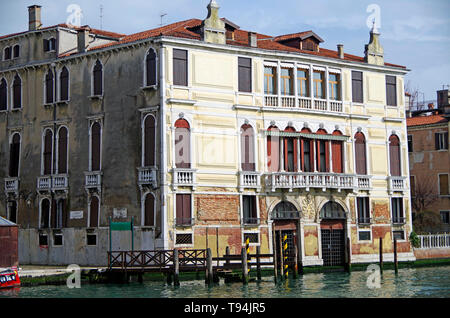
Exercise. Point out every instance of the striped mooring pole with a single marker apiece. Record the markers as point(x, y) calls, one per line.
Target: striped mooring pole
point(285, 246)
point(247, 248)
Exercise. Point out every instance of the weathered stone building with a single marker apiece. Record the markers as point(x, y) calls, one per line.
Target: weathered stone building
point(205, 135)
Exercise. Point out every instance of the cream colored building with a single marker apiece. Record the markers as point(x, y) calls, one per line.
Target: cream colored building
point(253, 136)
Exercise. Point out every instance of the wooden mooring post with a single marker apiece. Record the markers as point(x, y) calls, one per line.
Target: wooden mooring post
point(348, 252)
point(274, 248)
point(381, 255)
point(176, 268)
point(258, 262)
point(244, 265)
point(395, 256)
point(296, 262)
point(280, 251)
point(209, 267)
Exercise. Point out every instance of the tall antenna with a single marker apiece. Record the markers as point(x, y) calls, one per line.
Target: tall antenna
point(162, 15)
point(101, 17)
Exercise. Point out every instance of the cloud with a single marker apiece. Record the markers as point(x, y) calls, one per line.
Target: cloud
point(419, 28)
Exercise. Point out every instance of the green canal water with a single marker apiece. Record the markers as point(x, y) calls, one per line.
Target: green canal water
point(412, 282)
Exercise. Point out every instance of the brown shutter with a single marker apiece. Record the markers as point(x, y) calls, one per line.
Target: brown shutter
point(443, 184)
point(14, 156)
point(62, 151)
point(336, 148)
point(245, 74)
point(149, 141)
point(357, 87)
point(151, 68)
point(394, 153)
point(3, 95)
point(149, 217)
point(180, 67)
point(360, 154)
point(49, 87)
point(179, 212)
point(96, 147)
point(46, 45)
point(93, 219)
point(186, 208)
point(391, 90)
point(64, 84)
point(48, 142)
point(54, 214)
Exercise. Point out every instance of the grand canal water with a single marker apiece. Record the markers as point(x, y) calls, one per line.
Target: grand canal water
point(417, 282)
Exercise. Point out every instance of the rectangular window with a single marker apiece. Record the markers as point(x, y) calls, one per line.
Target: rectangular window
point(318, 78)
point(270, 84)
point(253, 238)
point(43, 240)
point(183, 239)
point(410, 143)
point(363, 210)
point(180, 67)
point(307, 162)
point(303, 82)
point(399, 235)
point(364, 235)
point(321, 156)
point(441, 140)
point(398, 215)
point(286, 81)
point(249, 209)
point(91, 239)
point(334, 86)
point(245, 74)
point(57, 239)
point(443, 184)
point(357, 87)
point(183, 216)
point(391, 90)
point(412, 184)
point(445, 217)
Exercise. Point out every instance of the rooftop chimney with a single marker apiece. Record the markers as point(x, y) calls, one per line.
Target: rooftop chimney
point(213, 28)
point(34, 18)
point(83, 39)
point(340, 49)
point(252, 40)
point(374, 52)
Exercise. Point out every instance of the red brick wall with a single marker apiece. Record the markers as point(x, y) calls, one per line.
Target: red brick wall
point(217, 208)
point(432, 253)
point(9, 246)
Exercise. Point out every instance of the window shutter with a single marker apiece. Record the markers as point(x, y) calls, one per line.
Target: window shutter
point(180, 67)
point(46, 45)
point(151, 68)
point(48, 143)
point(149, 141)
point(245, 74)
point(3, 95)
point(98, 78)
point(360, 154)
point(96, 147)
point(14, 156)
point(248, 159)
point(62, 151)
point(446, 140)
point(336, 148)
point(149, 210)
point(49, 87)
point(93, 218)
point(64, 85)
point(17, 92)
point(357, 87)
point(391, 90)
point(394, 152)
point(186, 208)
point(443, 184)
point(179, 212)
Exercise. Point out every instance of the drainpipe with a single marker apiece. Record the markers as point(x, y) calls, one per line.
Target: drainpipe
point(163, 185)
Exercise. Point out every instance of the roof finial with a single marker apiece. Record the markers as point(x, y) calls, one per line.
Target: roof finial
point(374, 27)
point(214, 4)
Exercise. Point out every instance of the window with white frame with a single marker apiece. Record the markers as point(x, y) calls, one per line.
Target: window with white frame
point(249, 209)
point(441, 140)
point(49, 87)
point(363, 207)
point(398, 214)
point(3, 94)
point(445, 217)
point(150, 68)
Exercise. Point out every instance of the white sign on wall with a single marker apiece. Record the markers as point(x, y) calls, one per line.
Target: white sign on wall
point(120, 213)
point(76, 215)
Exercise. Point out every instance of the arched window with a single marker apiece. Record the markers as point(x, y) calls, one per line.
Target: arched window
point(17, 92)
point(290, 152)
point(62, 150)
point(14, 156)
point(45, 214)
point(98, 79)
point(3, 95)
point(149, 210)
point(96, 136)
point(322, 153)
point(273, 150)
point(48, 152)
point(284, 210)
point(149, 141)
point(16, 51)
point(332, 210)
point(247, 148)
point(307, 152)
point(360, 154)
point(64, 84)
point(150, 65)
point(94, 211)
point(7, 53)
point(337, 149)
point(182, 144)
point(49, 87)
point(394, 155)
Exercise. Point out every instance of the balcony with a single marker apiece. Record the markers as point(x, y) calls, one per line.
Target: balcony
point(364, 182)
point(249, 179)
point(397, 184)
point(93, 180)
point(53, 183)
point(364, 220)
point(12, 185)
point(251, 221)
point(44, 183)
point(147, 176)
point(301, 102)
point(183, 177)
point(307, 180)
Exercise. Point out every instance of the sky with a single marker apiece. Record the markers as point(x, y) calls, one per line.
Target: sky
point(414, 33)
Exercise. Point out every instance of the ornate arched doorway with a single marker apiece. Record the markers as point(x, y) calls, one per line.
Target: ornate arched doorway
point(332, 228)
point(285, 218)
